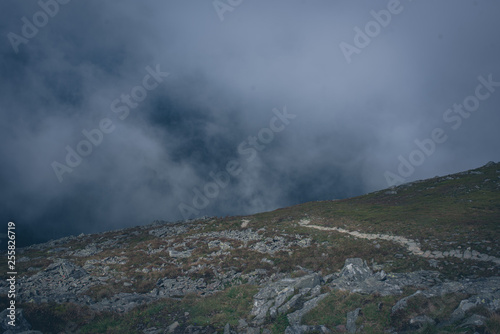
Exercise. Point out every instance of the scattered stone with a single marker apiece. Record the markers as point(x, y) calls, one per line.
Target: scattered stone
point(169, 230)
point(227, 329)
point(467, 254)
point(179, 254)
point(219, 244)
point(351, 320)
point(90, 250)
point(356, 276)
point(173, 327)
point(434, 263)
point(437, 254)
point(242, 324)
point(279, 243)
point(182, 285)
point(421, 321)
point(253, 330)
point(199, 330)
point(475, 321)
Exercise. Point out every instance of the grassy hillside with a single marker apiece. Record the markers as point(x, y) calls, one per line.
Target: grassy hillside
point(459, 212)
point(463, 207)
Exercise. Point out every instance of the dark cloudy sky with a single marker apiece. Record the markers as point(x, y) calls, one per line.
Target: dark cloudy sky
point(351, 116)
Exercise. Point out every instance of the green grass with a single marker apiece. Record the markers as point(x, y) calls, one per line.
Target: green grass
point(493, 323)
point(279, 324)
point(375, 315)
point(217, 310)
point(437, 308)
point(332, 311)
point(57, 318)
point(227, 307)
point(105, 325)
point(464, 210)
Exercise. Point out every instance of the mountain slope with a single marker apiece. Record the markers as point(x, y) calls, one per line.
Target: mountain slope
point(338, 264)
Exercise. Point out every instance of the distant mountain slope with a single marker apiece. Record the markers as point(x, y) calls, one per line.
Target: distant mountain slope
point(462, 207)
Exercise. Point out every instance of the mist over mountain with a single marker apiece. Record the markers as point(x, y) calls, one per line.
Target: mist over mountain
point(118, 114)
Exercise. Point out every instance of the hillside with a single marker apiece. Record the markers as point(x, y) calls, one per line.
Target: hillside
point(420, 257)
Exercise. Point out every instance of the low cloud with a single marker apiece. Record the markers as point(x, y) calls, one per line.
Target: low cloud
point(225, 78)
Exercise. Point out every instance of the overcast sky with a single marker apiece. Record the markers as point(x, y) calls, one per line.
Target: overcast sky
point(283, 102)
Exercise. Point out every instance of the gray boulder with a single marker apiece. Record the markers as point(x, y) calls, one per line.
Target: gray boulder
point(351, 320)
point(296, 317)
point(486, 301)
point(403, 302)
point(65, 269)
point(357, 277)
point(355, 270)
point(421, 321)
point(292, 303)
point(228, 329)
point(302, 329)
point(474, 321)
point(308, 281)
point(272, 296)
point(242, 325)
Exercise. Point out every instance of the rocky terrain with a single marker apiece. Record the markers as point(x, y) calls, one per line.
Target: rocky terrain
point(421, 257)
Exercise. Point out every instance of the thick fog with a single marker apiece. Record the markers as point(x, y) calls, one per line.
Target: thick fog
point(118, 113)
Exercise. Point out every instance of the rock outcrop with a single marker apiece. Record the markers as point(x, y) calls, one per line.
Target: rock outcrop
point(356, 276)
point(274, 298)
